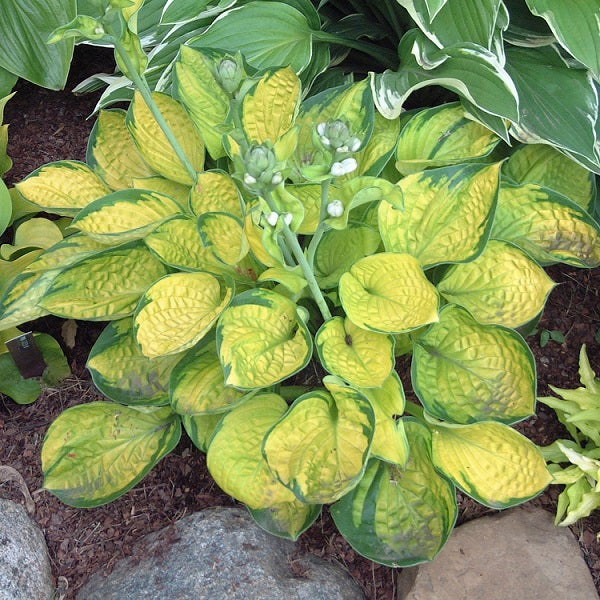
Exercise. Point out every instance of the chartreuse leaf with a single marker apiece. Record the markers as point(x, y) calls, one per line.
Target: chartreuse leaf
point(576, 26)
point(388, 293)
point(490, 462)
point(62, 187)
point(441, 136)
point(200, 428)
point(177, 311)
point(548, 226)
point(465, 372)
point(33, 233)
point(20, 302)
point(320, 446)
point(269, 110)
point(502, 286)
point(215, 191)
point(123, 374)
point(447, 214)
point(234, 456)
point(549, 168)
point(267, 34)
point(339, 249)
point(152, 142)
point(289, 520)
point(399, 516)
point(197, 384)
point(310, 196)
point(292, 278)
point(105, 286)
point(162, 185)
point(390, 443)
point(94, 453)
point(261, 340)
point(363, 358)
point(26, 391)
point(254, 234)
point(195, 86)
point(224, 235)
point(125, 216)
point(11, 269)
point(177, 243)
point(111, 152)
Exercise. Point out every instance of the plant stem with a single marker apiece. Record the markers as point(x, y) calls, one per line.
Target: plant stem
point(293, 244)
point(142, 85)
point(413, 409)
point(322, 228)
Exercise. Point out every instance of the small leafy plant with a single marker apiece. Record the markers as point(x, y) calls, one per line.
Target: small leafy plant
point(579, 411)
point(234, 232)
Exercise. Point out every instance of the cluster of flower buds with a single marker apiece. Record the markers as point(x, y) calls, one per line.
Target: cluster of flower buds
point(230, 73)
point(337, 137)
point(261, 167)
point(273, 217)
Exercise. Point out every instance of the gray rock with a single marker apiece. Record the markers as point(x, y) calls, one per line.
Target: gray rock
point(25, 571)
point(514, 555)
point(219, 554)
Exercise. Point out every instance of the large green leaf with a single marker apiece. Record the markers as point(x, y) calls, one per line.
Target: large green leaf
point(548, 226)
point(268, 34)
point(261, 340)
point(94, 453)
point(200, 428)
point(177, 311)
point(25, 27)
point(469, 70)
point(491, 462)
point(388, 293)
point(399, 516)
point(320, 446)
point(502, 286)
point(123, 374)
point(558, 105)
point(465, 372)
point(234, 456)
point(576, 26)
point(447, 214)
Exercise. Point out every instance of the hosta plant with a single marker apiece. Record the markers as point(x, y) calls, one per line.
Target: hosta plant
point(233, 233)
point(579, 411)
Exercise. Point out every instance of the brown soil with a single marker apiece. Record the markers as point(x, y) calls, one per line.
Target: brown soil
point(46, 126)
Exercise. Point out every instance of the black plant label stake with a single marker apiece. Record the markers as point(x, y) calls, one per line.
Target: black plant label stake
point(27, 355)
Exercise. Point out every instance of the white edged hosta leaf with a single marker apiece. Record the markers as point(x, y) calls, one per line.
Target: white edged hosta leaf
point(215, 191)
point(197, 385)
point(390, 443)
point(360, 357)
point(547, 167)
point(200, 428)
point(546, 225)
point(125, 215)
point(441, 136)
point(320, 446)
point(289, 520)
point(235, 458)
point(490, 462)
point(195, 86)
point(502, 286)
point(177, 243)
point(269, 110)
point(339, 249)
point(122, 373)
point(62, 187)
point(152, 143)
point(162, 185)
point(399, 516)
point(447, 214)
point(224, 235)
point(388, 293)
point(464, 372)
point(177, 311)
point(261, 339)
point(104, 286)
point(111, 151)
point(94, 453)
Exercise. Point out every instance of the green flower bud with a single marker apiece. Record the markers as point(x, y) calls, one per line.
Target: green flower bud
point(229, 74)
point(260, 162)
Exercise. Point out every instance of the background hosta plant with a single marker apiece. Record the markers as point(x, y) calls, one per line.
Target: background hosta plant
point(234, 231)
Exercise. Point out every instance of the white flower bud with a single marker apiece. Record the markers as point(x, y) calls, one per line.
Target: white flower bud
point(288, 218)
point(272, 218)
point(325, 141)
point(337, 169)
point(335, 208)
point(277, 178)
point(342, 149)
point(354, 144)
point(321, 128)
point(349, 165)
point(99, 30)
point(249, 180)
